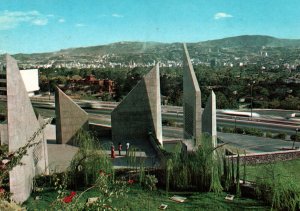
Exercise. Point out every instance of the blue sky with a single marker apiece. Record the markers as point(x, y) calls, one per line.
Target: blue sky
point(30, 26)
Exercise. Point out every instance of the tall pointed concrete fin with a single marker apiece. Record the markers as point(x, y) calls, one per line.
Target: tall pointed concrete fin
point(209, 118)
point(21, 125)
point(70, 118)
point(140, 111)
point(152, 81)
point(191, 99)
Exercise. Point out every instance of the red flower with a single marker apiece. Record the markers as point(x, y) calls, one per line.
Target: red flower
point(131, 181)
point(67, 199)
point(2, 191)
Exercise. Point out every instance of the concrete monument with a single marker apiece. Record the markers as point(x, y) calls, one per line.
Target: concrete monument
point(191, 99)
point(70, 118)
point(44, 149)
point(22, 124)
point(139, 114)
point(3, 133)
point(209, 119)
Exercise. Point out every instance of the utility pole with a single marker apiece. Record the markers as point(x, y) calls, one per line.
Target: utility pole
point(251, 93)
point(296, 137)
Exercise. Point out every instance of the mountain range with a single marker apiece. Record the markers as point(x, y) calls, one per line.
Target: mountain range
point(167, 51)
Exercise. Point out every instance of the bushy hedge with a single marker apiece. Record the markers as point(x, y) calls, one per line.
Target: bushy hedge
point(248, 131)
point(280, 136)
point(254, 132)
point(295, 137)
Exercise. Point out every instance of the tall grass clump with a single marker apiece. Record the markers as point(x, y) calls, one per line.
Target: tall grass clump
point(199, 170)
point(89, 161)
point(277, 188)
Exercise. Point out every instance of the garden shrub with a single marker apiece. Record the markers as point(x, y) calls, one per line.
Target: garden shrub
point(150, 182)
point(239, 130)
point(200, 170)
point(269, 135)
point(295, 137)
point(219, 129)
point(228, 130)
point(254, 132)
point(280, 136)
point(88, 161)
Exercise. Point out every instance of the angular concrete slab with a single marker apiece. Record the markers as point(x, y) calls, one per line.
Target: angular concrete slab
point(43, 145)
point(191, 99)
point(22, 124)
point(140, 111)
point(209, 118)
point(3, 133)
point(70, 118)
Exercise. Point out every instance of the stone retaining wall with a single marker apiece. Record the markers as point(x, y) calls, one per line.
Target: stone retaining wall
point(268, 157)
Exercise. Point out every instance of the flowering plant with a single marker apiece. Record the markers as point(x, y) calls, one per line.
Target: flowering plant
point(68, 199)
point(130, 181)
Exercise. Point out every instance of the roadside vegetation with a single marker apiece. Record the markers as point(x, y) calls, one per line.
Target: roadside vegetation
point(231, 85)
point(259, 133)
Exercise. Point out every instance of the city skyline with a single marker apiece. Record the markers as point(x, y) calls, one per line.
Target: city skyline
point(33, 26)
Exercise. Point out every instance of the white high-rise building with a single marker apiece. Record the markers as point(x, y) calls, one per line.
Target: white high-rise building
point(31, 80)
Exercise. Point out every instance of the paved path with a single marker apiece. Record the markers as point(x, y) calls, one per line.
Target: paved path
point(60, 156)
point(254, 143)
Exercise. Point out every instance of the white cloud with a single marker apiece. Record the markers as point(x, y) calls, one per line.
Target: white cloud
point(11, 19)
point(222, 15)
point(80, 25)
point(40, 22)
point(115, 15)
point(61, 20)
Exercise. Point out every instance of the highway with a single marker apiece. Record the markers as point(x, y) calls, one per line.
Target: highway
point(269, 120)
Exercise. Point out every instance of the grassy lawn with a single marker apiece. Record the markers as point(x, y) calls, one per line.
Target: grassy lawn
point(287, 169)
point(139, 199)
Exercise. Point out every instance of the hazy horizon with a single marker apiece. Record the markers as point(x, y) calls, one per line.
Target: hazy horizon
point(146, 41)
point(33, 26)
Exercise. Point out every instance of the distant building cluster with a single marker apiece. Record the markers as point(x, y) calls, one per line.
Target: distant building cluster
point(91, 84)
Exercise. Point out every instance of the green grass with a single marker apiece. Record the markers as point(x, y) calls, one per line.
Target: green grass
point(139, 199)
point(287, 169)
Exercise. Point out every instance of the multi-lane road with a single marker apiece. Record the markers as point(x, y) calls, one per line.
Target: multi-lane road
point(269, 120)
